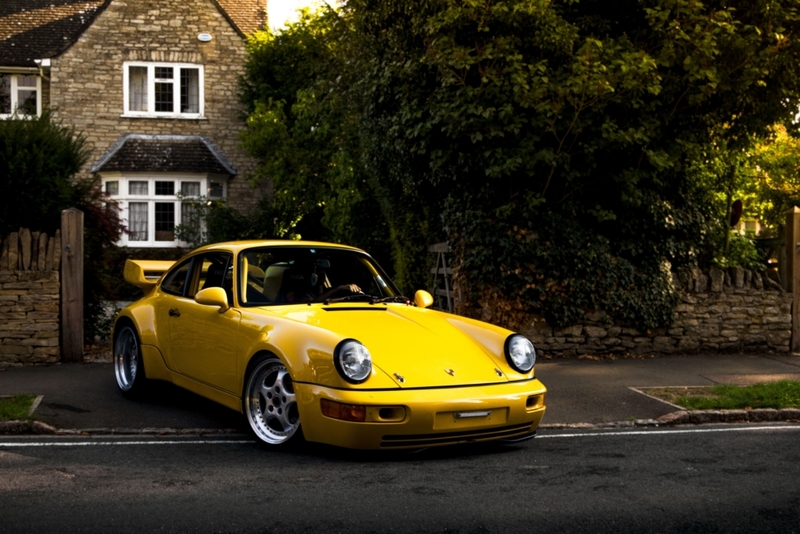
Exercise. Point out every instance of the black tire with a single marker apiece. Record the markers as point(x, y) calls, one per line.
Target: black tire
point(128, 363)
point(269, 402)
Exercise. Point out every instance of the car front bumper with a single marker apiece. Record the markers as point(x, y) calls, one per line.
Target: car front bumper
point(420, 418)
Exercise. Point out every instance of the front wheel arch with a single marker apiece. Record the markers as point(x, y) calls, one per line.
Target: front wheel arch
point(269, 402)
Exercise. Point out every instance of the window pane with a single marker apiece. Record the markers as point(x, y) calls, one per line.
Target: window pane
point(26, 81)
point(215, 189)
point(190, 189)
point(163, 73)
point(137, 221)
point(216, 272)
point(137, 188)
point(112, 188)
point(165, 188)
point(5, 94)
point(190, 215)
point(137, 88)
point(26, 102)
point(190, 91)
point(165, 221)
point(176, 280)
point(164, 97)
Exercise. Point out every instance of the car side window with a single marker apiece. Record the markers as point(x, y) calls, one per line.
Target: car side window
point(212, 269)
point(175, 282)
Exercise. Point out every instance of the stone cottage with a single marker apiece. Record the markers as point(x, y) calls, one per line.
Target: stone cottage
point(152, 84)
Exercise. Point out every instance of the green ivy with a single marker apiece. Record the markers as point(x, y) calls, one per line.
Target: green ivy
point(557, 268)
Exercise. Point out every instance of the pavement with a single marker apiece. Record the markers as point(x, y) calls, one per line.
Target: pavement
point(83, 398)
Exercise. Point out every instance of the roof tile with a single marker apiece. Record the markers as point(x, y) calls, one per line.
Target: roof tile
point(164, 153)
point(37, 29)
point(247, 15)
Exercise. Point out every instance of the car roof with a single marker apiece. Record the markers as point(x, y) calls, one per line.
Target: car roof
point(237, 246)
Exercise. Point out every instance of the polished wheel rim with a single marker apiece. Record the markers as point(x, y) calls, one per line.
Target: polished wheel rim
point(271, 403)
point(126, 358)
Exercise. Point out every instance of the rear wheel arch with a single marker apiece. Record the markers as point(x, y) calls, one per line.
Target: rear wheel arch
point(126, 349)
point(122, 321)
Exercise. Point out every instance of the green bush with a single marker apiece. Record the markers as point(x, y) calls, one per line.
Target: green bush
point(39, 160)
point(550, 265)
point(742, 252)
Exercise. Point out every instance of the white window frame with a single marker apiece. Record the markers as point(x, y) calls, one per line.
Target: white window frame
point(124, 198)
point(151, 90)
point(15, 94)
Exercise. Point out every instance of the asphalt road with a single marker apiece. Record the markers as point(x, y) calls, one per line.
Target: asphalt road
point(704, 479)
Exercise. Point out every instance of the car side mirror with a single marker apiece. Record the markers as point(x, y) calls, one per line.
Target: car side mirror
point(423, 299)
point(213, 296)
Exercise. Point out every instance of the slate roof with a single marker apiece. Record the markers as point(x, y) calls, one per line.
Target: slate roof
point(37, 29)
point(164, 153)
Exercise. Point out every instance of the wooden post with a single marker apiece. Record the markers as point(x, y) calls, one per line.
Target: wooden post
point(72, 285)
point(793, 272)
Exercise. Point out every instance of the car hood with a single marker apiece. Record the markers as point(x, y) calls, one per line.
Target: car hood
point(416, 347)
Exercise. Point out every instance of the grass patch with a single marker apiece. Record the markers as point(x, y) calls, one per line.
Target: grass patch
point(16, 407)
point(783, 394)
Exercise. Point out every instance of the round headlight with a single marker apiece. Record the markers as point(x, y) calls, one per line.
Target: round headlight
point(520, 353)
point(353, 361)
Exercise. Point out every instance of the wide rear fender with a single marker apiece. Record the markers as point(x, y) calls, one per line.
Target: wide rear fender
point(144, 318)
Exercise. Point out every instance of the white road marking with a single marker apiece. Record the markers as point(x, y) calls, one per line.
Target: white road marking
point(661, 432)
point(108, 443)
point(607, 433)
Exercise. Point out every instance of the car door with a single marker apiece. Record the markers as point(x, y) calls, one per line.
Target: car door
point(173, 290)
point(203, 341)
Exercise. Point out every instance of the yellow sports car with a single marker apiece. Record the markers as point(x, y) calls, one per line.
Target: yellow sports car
point(313, 340)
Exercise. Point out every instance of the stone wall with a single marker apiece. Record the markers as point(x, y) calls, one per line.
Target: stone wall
point(87, 89)
point(29, 298)
point(722, 311)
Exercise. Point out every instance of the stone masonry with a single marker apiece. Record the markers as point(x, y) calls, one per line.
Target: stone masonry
point(29, 298)
point(722, 311)
point(87, 80)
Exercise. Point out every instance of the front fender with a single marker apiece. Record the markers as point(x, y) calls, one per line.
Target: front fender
point(307, 352)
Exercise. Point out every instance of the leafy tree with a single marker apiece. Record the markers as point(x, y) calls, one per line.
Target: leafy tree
point(772, 185)
point(37, 162)
point(571, 111)
point(300, 129)
point(552, 142)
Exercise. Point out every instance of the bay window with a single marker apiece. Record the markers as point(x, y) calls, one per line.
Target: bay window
point(152, 207)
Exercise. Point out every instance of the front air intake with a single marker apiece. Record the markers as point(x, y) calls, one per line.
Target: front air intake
point(451, 438)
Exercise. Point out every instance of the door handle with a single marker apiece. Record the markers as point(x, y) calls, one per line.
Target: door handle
point(174, 312)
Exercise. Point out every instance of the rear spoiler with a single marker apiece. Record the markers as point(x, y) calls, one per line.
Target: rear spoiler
point(145, 273)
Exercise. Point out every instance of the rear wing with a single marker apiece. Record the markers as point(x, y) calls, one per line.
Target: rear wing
point(145, 273)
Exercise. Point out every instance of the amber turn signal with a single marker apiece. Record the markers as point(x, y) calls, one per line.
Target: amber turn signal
point(345, 412)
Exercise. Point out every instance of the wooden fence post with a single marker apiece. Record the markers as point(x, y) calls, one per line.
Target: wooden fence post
point(72, 285)
point(793, 272)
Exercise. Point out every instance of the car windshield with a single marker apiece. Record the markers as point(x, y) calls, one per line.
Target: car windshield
point(287, 275)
